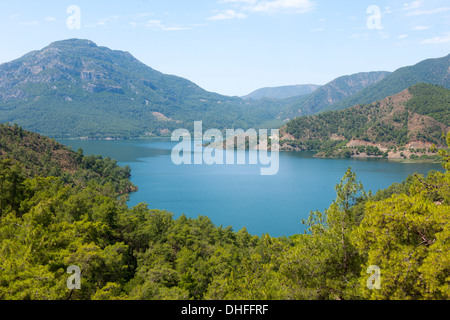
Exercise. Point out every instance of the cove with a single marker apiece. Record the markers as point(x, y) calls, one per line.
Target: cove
point(237, 195)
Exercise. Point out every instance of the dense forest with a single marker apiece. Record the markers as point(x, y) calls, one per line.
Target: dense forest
point(50, 223)
point(41, 156)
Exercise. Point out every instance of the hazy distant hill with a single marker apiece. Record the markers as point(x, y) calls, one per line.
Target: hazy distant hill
point(433, 71)
point(283, 92)
point(333, 92)
point(416, 117)
point(74, 88)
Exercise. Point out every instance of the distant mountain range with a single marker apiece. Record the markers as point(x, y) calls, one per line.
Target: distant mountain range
point(333, 92)
point(283, 92)
point(367, 87)
point(433, 71)
point(76, 89)
point(415, 118)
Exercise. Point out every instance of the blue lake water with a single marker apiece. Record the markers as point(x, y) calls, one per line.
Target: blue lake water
point(237, 195)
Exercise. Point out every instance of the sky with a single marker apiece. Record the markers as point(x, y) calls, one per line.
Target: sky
point(233, 47)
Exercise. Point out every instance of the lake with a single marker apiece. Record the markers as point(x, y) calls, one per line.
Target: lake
point(237, 195)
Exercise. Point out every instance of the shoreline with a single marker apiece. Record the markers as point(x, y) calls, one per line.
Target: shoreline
point(360, 156)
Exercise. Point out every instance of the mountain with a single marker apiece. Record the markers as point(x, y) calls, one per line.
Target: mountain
point(333, 92)
point(413, 119)
point(74, 88)
point(432, 71)
point(283, 92)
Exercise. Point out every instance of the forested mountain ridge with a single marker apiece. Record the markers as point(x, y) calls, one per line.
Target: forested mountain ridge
point(41, 156)
point(334, 91)
point(414, 119)
point(433, 71)
point(74, 88)
point(282, 92)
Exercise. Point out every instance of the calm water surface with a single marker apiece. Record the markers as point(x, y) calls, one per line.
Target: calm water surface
point(237, 195)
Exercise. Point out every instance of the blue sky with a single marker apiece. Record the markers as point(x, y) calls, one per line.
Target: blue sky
point(236, 46)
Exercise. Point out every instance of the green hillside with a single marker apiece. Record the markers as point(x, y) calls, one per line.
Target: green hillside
point(418, 115)
point(37, 155)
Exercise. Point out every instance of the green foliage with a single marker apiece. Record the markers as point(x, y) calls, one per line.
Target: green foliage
point(407, 236)
point(445, 153)
point(41, 156)
point(324, 261)
point(46, 225)
point(430, 100)
point(11, 186)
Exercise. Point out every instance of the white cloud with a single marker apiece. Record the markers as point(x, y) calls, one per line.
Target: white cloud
point(144, 14)
point(154, 24)
point(174, 28)
point(238, 1)
point(138, 20)
point(402, 36)
point(29, 23)
point(159, 25)
point(427, 12)
point(50, 19)
point(387, 10)
point(413, 5)
point(366, 36)
point(437, 40)
point(110, 20)
point(264, 6)
point(360, 36)
point(133, 20)
point(296, 6)
point(228, 14)
point(415, 9)
point(384, 35)
point(419, 28)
